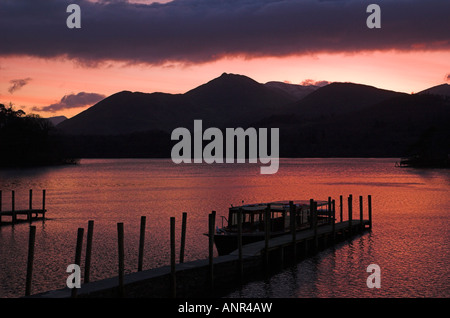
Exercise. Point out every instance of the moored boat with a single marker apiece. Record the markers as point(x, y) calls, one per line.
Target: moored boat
point(283, 216)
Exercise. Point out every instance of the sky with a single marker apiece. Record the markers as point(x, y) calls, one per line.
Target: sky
point(49, 69)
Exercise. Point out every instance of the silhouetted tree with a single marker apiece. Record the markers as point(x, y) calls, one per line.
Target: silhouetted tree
point(25, 140)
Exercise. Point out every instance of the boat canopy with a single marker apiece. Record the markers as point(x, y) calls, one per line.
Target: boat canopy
point(276, 206)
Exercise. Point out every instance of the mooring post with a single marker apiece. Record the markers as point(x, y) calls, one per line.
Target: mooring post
point(183, 236)
point(316, 238)
point(13, 207)
point(266, 237)
point(173, 281)
point(369, 202)
point(350, 216)
point(43, 203)
point(341, 208)
point(333, 224)
point(311, 214)
point(87, 264)
point(361, 225)
point(329, 210)
point(1, 206)
point(121, 254)
point(292, 216)
point(78, 249)
point(30, 205)
point(211, 225)
point(31, 241)
point(241, 268)
point(141, 243)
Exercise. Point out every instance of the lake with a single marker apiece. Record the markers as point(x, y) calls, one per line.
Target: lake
point(409, 240)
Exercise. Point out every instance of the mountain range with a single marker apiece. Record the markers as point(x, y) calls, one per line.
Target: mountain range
point(338, 119)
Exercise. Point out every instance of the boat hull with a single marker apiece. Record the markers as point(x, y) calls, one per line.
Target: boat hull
point(227, 243)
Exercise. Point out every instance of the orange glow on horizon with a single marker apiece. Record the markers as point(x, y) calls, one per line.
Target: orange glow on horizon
point(53, 79)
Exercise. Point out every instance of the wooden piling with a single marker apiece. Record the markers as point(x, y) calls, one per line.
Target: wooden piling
point(341, 208)
point(31, 241)
point(315, 221)
point(121, 254)
point(361, 225)
point(173, 282)
point(239, 237)
point(333, 221)
point(43, 203)
point(350, 213)
point(30, 205)
point(266, 238)
point(292, 216)
point(329, 210)
point(78, 250)
point(13, 206)
point(87, 264)
point(369, 203)
point(1, 198)
point(141, 243)
point(211, 225)
point(183, 236)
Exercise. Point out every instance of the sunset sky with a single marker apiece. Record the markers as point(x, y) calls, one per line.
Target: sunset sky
point(174, 46)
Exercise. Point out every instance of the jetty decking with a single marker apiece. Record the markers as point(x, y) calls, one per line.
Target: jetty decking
point(30, 213)
point(214, 276)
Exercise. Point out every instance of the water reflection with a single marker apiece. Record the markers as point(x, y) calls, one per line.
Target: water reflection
point(410, 235)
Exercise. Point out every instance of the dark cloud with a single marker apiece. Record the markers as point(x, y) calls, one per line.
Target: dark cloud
point(195, 31)
point(17, 84)
point(81, 99)
point(447, 77)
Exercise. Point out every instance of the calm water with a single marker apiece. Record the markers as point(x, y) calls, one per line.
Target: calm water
point(409, 241)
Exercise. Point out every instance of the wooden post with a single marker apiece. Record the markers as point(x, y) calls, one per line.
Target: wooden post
point(240, 262)
point(369, 202)
point(43, 201)
point(1, 196)
point(78, 254)
point(341, 208)
point(141, 244)
point(361, 225)
point(31, 241)
point(350, 207)
point(87, 266)
point(266, 236)
point(329, 210)
point(316, 238)
point(173, 282)
point(292, 215)
point(183, 236)
point(333, 221)
point(211, 225)
point(311, 214)
point(13, 208)
point(120, 245)
point(30, 205)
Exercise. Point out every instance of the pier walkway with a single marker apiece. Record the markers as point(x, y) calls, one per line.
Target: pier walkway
point(201, 279)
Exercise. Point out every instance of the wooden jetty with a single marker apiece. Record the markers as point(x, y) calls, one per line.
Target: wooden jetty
point(30, 213)
point(215, 276)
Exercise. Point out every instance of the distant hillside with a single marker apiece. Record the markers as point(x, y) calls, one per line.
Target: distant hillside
point(296, 92)
point(127, 112)
point(227, 101)
point(391, 128)
point(336, 120)
point(339, 98)
point(443, 90)
point(57, 119)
